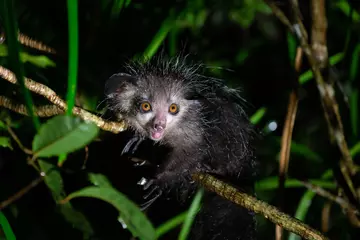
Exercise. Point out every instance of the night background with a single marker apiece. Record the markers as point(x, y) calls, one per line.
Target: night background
point(242, 42)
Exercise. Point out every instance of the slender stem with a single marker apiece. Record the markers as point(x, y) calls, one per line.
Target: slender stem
point(73, 53)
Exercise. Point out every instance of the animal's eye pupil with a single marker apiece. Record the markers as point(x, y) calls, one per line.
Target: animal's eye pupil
point(173, 108)
point(145, 106)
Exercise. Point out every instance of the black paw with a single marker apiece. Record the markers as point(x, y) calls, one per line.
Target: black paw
point(152, 192)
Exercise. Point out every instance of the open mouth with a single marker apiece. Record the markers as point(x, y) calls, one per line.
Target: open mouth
point(156, 134)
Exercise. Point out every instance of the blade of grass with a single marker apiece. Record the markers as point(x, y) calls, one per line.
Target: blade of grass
point(163, 32)
point(170, 224)
point(11, 31)
point(271, 183)
point(193, 210)
point(73, 53)
point(305, 204)
point(5, 225)
point(354, 97)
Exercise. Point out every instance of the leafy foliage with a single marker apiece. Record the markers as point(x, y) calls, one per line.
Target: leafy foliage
point(130, 214)
point(240, 41)
point(63, 134)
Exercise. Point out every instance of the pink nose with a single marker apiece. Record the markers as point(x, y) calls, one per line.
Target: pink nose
point(159, 124)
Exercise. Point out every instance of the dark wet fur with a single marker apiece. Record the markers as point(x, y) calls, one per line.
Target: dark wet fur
point(214, 136)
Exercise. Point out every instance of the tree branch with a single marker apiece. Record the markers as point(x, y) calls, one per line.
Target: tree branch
point(270, 212)
point(41, 111)
point(49, 94)
point(29, 42)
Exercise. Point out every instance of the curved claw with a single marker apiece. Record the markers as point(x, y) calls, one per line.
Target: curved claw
point(147, 204)
point(152, 192)
point(129, 144)
point(136, 139)
point(140, 140)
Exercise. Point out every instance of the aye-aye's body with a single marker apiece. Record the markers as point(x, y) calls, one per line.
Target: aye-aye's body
point(202, 122)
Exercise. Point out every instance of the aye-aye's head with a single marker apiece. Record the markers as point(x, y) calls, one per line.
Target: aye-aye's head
point(152, 104)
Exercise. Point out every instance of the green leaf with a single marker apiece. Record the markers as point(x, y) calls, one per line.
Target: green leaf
point(39, 61)
point(62, 135)
point(5, 142)
point(3, 50)
point(344, 6)
point(258, 115)
point(2, 125)
point(130, 214)
point(99, 180)
point(355, 150)
point(54, 182)
point(5, 225)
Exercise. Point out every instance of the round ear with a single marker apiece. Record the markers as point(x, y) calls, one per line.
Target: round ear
point(118, 82)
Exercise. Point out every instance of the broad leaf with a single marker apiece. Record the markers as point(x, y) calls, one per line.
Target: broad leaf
point(130, 214)
point(54, 182)
point(62, 135)
point(99, 180)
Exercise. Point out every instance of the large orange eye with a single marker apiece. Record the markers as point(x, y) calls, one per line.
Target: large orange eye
point(145, 106)
point(174, 108)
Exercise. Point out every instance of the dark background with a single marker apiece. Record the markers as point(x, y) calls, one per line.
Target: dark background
point(240, 41)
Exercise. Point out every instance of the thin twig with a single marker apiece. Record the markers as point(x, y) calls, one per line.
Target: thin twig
point(17, 140)
point(29, 42)
point(325, 216)
point(278, 13)
point(50, 94)
point(21, 193)
point(324, 193)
